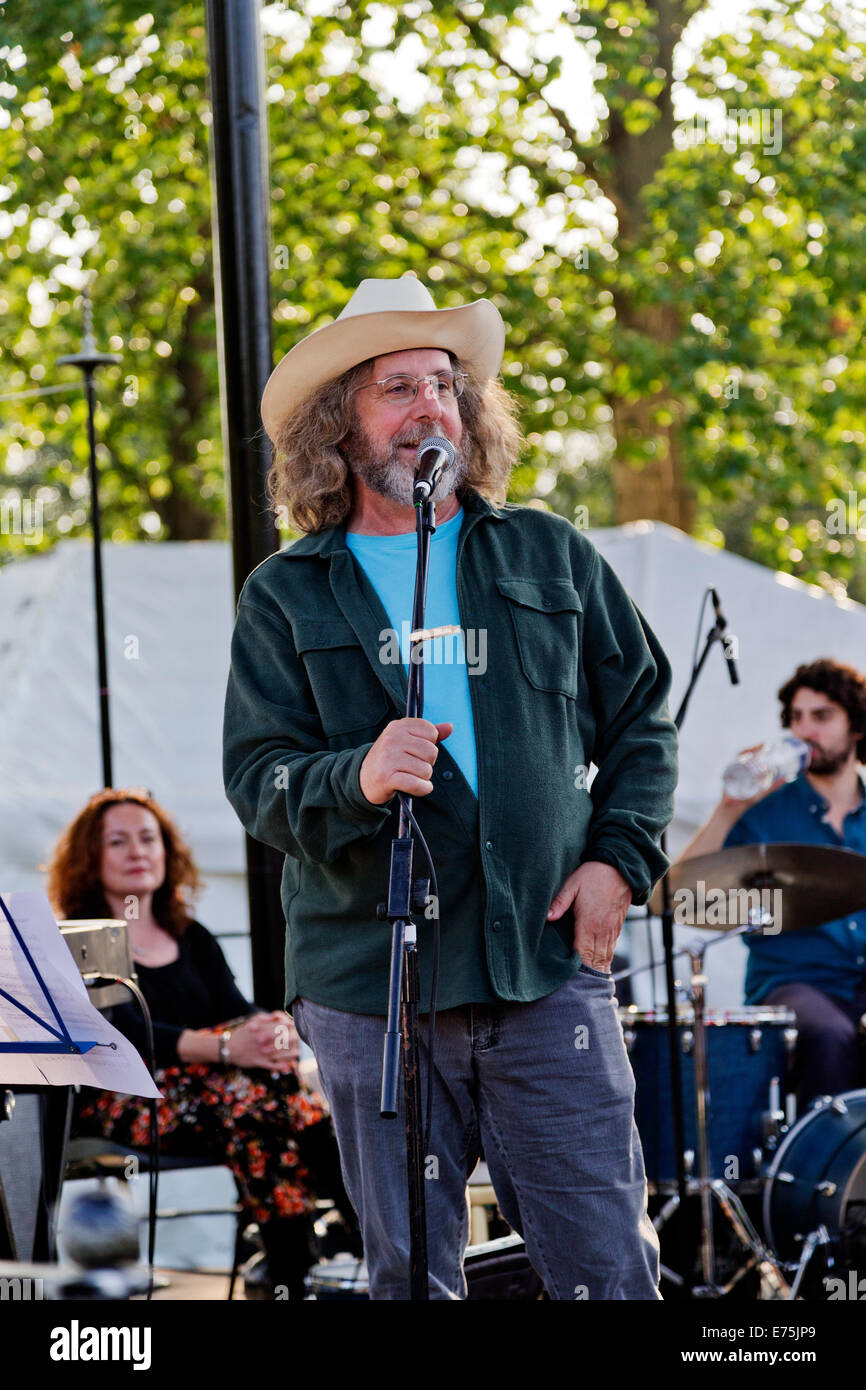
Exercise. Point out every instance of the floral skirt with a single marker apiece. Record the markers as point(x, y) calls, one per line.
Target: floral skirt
point(254, 1121)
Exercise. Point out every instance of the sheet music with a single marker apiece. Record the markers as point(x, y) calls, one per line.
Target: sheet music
point(115, 1065)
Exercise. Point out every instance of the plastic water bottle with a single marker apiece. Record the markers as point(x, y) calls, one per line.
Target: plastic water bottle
point(754, 772)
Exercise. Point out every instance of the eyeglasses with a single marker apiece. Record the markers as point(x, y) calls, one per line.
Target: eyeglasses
point(400, 390)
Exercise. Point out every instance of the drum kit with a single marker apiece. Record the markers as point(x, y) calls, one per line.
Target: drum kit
point(743, 1140)
point(777, 1194)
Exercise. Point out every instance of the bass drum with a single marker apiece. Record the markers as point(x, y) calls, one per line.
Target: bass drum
point(818, 1177)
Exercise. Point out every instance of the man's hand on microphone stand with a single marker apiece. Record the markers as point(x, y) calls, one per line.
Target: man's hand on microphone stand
point(402, 759)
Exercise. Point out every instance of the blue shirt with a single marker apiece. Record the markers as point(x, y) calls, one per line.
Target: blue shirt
point(832, 957)
point(389, 563)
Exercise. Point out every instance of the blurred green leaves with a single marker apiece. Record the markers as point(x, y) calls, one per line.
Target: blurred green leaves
point(684, 312)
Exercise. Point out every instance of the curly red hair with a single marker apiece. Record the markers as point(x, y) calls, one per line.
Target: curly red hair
point(74, 873)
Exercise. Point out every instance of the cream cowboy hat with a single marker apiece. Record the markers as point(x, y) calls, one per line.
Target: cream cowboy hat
point(383, 316)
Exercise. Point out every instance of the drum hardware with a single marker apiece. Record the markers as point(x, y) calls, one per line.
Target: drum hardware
point(774, 1120)
point(828, 1199)
point(823, 883)
point(815, 1188)
point(813, 1241)
point(773, 1282)
point(712, 1192)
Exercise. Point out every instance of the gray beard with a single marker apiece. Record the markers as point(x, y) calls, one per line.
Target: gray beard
point(390, 476)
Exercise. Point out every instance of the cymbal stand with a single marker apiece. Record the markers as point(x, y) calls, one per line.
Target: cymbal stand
point(820, 1236)
point(712, 1190)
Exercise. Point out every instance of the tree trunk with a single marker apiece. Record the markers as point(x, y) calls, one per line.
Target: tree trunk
point(649, 488)
point(654, 489)
point(182, 517)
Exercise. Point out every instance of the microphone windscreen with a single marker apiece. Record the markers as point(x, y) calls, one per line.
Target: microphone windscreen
point(435, 443)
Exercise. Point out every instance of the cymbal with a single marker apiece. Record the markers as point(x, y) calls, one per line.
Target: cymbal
point(785, 887)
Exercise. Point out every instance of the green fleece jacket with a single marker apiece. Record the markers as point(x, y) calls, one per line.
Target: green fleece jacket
point(574, 677)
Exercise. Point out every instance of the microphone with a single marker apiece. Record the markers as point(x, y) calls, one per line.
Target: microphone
point(721, 625)
point(434, 455)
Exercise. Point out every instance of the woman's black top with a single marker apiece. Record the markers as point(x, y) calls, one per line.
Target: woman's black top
point(195, 991)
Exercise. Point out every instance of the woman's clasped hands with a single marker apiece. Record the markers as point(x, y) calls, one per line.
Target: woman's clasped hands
point(267, 1040)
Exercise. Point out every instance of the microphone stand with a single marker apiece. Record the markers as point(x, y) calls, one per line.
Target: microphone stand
point(715, 634)
point(406, 895)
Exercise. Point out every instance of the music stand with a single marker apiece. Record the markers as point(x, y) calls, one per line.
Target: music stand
point(63, 1041)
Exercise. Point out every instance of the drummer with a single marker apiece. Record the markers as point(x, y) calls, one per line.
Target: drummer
point(819, 972)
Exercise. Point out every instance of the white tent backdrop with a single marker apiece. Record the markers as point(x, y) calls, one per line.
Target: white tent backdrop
point(169, 616)
point(779, 622)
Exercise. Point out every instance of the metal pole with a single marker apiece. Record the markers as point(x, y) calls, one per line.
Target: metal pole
point(87, 361)
point(101, 655)
point(239, 182)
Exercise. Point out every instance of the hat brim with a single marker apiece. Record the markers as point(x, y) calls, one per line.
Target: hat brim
point(475, 332)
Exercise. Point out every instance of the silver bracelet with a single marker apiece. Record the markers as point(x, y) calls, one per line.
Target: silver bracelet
point(225, 1038)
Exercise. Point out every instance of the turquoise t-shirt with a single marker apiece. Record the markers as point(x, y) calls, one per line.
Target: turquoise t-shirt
point(389, 563)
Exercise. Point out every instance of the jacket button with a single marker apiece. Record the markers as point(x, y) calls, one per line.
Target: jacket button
point(546, 602)
point(488, 844)
point(447, 775)
point(497, 926)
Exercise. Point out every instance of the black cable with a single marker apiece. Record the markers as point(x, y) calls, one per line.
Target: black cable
point(434, 977)
point(652, 955)
point(707, 593)
point(153, 1140)
point(423, 548)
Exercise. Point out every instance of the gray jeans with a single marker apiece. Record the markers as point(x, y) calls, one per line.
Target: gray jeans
point(547, 1088)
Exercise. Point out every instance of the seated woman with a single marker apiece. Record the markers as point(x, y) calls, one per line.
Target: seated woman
point(227, 1072)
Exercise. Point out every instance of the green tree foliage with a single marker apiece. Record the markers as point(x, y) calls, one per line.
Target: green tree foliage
point(683, 309)
point(105, 166)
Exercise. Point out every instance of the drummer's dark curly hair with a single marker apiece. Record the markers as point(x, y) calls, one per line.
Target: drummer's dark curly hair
point(840, 683)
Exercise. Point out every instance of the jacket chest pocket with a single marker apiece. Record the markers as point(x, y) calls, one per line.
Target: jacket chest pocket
point(346, 690)
point(546, 614)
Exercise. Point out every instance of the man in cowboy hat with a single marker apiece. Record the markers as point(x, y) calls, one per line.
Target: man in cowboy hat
point(535, 870)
